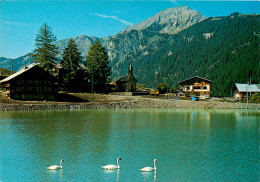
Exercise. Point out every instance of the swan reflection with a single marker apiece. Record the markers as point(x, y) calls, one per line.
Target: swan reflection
point(117, 175)
point(154, 177)
point(113, 171)
point(148, 175)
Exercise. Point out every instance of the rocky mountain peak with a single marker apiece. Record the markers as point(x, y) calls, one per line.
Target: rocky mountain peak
point(168, 21)
point(171, 21)
point(139, 42)
point(83, 42)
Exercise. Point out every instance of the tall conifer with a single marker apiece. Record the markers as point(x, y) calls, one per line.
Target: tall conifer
point(45, 52)
point(97, 67)
point(70, 62)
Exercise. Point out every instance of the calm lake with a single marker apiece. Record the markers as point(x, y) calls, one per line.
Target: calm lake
point(190, 145)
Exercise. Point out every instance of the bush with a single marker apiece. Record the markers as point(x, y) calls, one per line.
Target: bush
point(162, 87)
point(140, 86)
point(255, 98)
point(4, 99)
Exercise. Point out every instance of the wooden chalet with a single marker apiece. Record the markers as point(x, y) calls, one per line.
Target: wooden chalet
point(127, 83)
point(30, 83)
point(195, 86)
point(242, 89)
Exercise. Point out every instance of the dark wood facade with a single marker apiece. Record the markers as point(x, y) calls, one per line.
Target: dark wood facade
point(30, 83)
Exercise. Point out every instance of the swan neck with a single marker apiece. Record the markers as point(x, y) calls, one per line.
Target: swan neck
point(61, 163)
point(154, 163)
point(118, 163)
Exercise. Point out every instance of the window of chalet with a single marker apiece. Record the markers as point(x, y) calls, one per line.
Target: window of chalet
point(22, 82)
point(45, 82)
point(49, 89)
point(18, 89)
point(49, 82)
point(22, 89)
point(196, 87)
point(204, 87)
point(45, 89)
point(18, 82)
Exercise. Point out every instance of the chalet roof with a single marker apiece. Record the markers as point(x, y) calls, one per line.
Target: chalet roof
point(243, 87)
point(18, 73)
point(25, 69)
point(125, 79)
point(195, 78)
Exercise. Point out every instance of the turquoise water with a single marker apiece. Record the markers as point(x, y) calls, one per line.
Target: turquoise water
point(191, 145)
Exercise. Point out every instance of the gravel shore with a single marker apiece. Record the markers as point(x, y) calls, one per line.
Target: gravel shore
point(124, 102)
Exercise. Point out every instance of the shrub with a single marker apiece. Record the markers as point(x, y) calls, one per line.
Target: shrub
point(162, 87)
point(255, 98)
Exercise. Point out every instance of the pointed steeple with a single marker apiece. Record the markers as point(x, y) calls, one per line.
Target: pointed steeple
point(130, 70)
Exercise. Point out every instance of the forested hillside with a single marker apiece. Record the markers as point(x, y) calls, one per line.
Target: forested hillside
point(222, 49)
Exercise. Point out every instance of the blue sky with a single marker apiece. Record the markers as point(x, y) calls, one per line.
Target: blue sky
point(20, 20)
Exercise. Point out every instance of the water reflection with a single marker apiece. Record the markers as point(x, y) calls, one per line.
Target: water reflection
point(191, 144)
point(110, 172)
point(117, 177)
point(154, 177)
point(56, 173)
point(147, 176)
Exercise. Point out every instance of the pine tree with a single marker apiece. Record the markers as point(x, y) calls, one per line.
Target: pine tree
point(45, 52)
point(97, 67)
point(71, 64)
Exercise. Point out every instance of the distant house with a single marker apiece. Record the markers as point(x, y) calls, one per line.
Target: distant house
point(127, 83)
point(243, 89)
point(30, 83)
point(195, 86)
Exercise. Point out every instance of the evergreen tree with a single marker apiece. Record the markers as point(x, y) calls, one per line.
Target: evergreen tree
point(97, 67)
point(45, 52)
point(71, 64)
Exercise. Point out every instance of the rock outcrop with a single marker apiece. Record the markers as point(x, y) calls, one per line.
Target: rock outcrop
point(169, 21)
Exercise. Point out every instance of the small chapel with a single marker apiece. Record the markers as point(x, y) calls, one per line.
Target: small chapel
point(127, 83)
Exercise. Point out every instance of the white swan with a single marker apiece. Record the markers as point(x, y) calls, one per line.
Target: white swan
point(111, 166)
point(149, 169)
point(55, 167)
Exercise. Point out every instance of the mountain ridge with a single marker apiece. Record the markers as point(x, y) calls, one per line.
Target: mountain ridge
point(84, 42)
point(170, 18)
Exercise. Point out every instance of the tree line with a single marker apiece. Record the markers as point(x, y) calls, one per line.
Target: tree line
point(74, 72)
